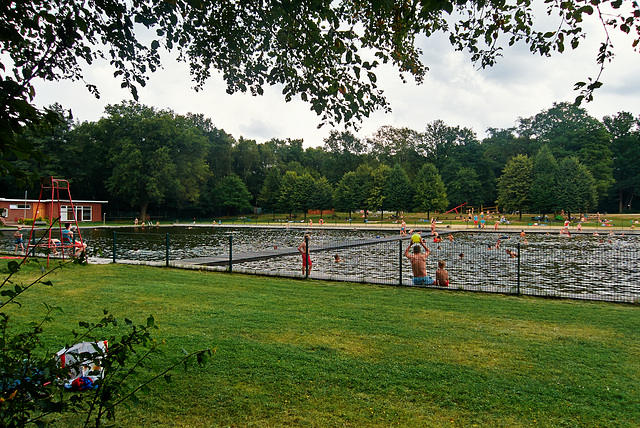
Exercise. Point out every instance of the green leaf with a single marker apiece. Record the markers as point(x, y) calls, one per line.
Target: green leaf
point(13, 266)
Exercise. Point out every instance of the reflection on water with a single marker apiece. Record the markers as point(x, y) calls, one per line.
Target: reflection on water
point(580, 266)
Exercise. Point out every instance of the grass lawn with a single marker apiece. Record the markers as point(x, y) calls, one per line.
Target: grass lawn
point(318, 354)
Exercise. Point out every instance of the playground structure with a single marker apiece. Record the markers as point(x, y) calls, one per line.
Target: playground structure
point(456, 208)
point(65, 243)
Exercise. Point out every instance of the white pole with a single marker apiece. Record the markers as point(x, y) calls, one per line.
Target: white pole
point(24, 216)
point(104, 219)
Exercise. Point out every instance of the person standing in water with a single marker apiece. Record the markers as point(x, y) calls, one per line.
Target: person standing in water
point(18, 240)
point(306, 258)
point(419, 264)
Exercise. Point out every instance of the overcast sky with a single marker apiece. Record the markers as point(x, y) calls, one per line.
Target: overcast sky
point(455, 91)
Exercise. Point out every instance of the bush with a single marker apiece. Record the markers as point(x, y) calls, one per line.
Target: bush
point(29, 221)
point(32, 388)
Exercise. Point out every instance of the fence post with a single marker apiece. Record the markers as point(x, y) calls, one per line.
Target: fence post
point(114, 246)
point(230, 253)
point(167, 251)
point(519, 269)
point(400, 259)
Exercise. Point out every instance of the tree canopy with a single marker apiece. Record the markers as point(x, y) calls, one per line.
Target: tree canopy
point(154, 155)
point(176, 163)
point(515, 184)
point(325, 52)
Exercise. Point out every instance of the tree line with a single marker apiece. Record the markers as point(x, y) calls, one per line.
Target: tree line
point(149, 160)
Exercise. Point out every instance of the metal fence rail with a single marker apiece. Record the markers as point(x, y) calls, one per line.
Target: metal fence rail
point(598, 268)
point(601, 270)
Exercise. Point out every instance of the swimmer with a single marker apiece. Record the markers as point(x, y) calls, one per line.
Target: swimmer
point(442, 276)
point(512, 254)
point(461, 256)
point(307, 264)
point(450, 237)
point(522, 234)
point(337, 258)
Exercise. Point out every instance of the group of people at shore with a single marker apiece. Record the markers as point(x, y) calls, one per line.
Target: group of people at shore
point(67, 241)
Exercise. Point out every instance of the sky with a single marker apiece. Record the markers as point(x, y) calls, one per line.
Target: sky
point(455, 91)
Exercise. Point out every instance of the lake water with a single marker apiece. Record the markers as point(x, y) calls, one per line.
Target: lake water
point(580, 266)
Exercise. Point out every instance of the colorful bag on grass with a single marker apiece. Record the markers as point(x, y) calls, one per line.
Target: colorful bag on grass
point(84, 362)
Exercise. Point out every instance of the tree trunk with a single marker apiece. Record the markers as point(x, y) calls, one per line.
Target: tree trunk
point(143, 211)
point(620, 203)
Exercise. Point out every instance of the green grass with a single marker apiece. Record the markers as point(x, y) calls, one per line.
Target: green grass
point(318, 354)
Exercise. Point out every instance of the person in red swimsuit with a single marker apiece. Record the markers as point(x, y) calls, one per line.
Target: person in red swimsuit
point(306, 258)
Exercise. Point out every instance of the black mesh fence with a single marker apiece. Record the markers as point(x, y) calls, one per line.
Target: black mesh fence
point(545, 264)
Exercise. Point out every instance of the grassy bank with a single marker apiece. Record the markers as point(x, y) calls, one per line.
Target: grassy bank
point(413, 220)
point(311, 353)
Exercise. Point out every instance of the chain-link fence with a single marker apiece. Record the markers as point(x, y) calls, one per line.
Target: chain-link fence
point(578, 267)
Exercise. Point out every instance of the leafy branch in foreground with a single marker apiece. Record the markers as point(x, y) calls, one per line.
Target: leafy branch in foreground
point(34, 387)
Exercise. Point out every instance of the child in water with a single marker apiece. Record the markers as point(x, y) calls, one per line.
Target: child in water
point(442, 276)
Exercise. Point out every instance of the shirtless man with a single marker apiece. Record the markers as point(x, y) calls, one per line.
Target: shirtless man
point(419, 264)
point(306, 258)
